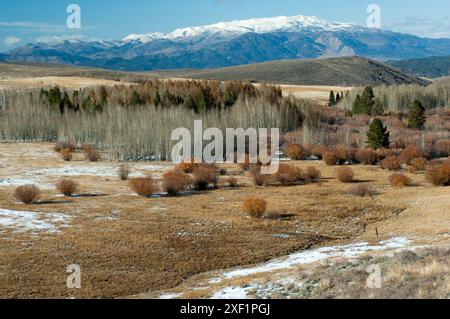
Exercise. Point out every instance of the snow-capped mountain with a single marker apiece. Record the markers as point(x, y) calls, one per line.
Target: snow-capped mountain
point(233, 43)
point(228, 30)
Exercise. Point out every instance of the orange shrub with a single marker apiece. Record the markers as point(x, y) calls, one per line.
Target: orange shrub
point(67, 187)
point(93, 155)
point(143, 186)
point(289, 175)
point(67, 154)
point(419, 163)
point(385, 153)
point(361, 190)
point(345, 174)
point(391, 163)
point(442, 147)
point(410, 153)
point(399, 180)
point(439, 175)
point(59, 146)
point(255, 207)
point(205, 175)
point(312, 173)
point(319, 151)
point(367, 156)
point(86, 148)
point(123, 171)
point(176, 181)
point(294, 151)
point(330, 158)
point(343, 153)
point(185, 167)
point(27, 194)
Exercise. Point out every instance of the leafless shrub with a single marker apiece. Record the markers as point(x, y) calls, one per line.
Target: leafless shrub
point(442, 147)
point(176, 181)
point(419, 164)
point(410, 153)
point(67, 187)
point(187, 168)
point(330, 158)
point(367, 156)
point(439, 175)
point(143, 186)
point(67, 154)
point(294, 151)
point(344, 175)
point(27, 194)
point(399, 180)
point(204, 176)
point(59, 146)
point(391, 163)
point(312, 173)
point(93, 155)
point(255, 207)
point(361, 190)
point(289, 175)
point(123, 171)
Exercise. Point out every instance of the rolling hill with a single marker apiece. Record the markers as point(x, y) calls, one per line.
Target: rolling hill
point(346, 71)
point(432, 67)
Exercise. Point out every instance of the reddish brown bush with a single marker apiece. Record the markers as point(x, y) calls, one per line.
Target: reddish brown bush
point(27, 194)
point(439, 175)
point(289, 175)
point(367, 156)
point(204, 176)
point(385, 153)
point(258, 178)
point(442, 147)
point(93, 155)
point(330, 158)
point(123, 171)
point(59, 146)
point(399, 180)
point(67, 187)
point(318, 151)
point(294, 151)
point(344, 174)
point(67, 154)
point(176, 181)
point(344, 153)
point(410, 153)
point(419, 164)
point(187, 168)
point(391, 163)
point(312, 173)
point(143, 186)
point(86, 148)
point(255, 207)
point(361, 190)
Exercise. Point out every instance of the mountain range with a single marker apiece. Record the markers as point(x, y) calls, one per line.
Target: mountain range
point(234, 43)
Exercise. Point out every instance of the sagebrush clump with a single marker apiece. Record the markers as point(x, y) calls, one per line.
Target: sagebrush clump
point(123, 172)
point(204, 176)
point(345, 175)
point(67, 187)
point(392, 163)
point(175, 182)
point(439, 175)
point(294, 151)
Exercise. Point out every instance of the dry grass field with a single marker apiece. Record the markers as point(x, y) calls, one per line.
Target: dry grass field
point(129, 245)
point(52, 81)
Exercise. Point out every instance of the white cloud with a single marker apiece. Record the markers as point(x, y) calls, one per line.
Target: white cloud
point(11, 40)
point(61, 38)
point(423, 27)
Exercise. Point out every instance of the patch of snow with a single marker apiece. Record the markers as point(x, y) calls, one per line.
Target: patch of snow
point(96, 170)
point(231, 293)
point(19, 181)
point(22, 221)
point(315, 255)
point(233, 29)
point(169, 296)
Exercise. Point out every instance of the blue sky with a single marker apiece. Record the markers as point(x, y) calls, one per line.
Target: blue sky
point(24, 21)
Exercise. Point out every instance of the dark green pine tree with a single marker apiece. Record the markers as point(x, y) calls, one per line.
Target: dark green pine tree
point(378, 135)
point(357, 105)
point(189, 103)
point(338, 98)
point(65, 103)
point(417, 119)
point(331, 99)
point(367, 100)
point(377, 108)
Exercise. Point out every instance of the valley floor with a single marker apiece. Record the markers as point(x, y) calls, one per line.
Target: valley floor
point(174, 246)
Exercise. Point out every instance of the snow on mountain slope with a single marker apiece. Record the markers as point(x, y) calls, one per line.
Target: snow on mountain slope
point(224, 30)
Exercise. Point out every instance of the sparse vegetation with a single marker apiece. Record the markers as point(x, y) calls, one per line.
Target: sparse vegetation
point(392, 163)
point(439, 175)
point(67, 154)
point(123, 172)
point(361, 190)
point(175, 182)
point(204, 176)
point(399, 180)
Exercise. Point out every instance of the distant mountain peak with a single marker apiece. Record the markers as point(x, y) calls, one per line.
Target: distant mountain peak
point(236, 28)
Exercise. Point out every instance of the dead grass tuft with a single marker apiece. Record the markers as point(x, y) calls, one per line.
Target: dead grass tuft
point(67, 187)
point(123, 172)
point(361, 190)
point(345, 174)
point(67, 154)
point(399, 180)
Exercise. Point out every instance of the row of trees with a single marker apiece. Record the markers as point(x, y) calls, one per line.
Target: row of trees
point(193, 95)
